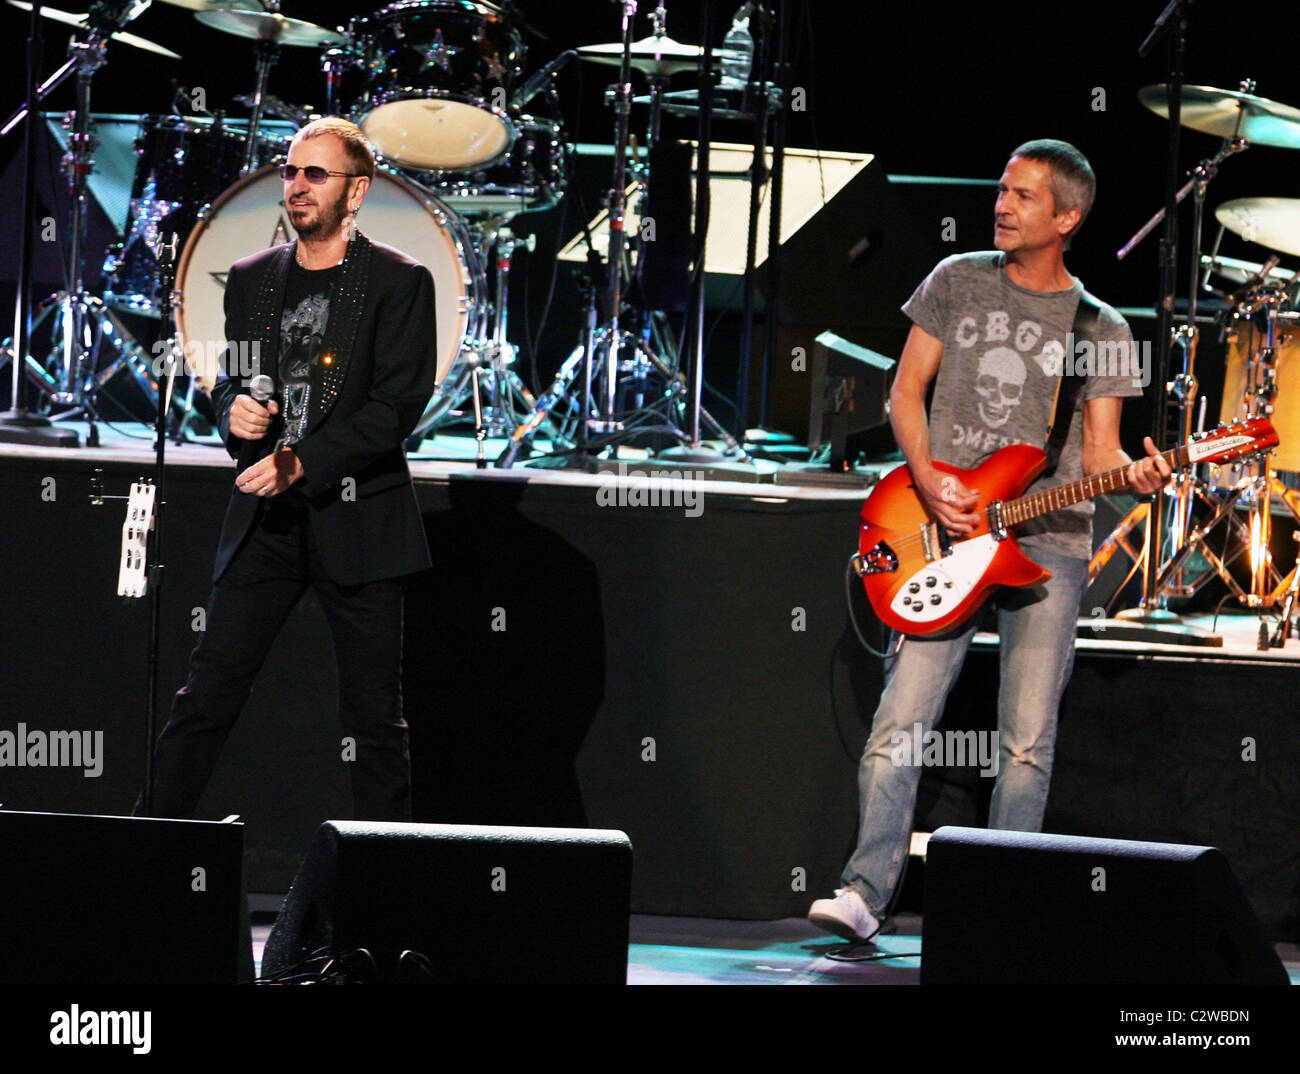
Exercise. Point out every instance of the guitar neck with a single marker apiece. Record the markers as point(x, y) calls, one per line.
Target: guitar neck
point(1054, 499)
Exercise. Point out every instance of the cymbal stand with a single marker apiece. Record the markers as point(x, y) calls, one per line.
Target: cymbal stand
point(594, 366)
point(1168, 520)
point(266, 53)
point(606, 422)
point(81, 323)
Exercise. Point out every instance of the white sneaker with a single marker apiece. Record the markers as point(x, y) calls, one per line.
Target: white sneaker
point(845, 915)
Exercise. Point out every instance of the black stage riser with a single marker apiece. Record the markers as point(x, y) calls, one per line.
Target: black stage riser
point(630, 634)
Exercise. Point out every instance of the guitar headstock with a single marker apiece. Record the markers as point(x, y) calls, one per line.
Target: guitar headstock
point(1251, 436)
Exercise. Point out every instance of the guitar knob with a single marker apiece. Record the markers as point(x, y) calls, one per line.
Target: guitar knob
point(915, 587)
point(935, 598)
point(931, 582)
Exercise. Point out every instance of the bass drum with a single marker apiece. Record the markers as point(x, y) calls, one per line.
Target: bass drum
point(395, 212)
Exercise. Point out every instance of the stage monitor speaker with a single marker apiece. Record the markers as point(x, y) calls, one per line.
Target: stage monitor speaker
point(849, 393)
point(93, 900)
point(457, 904)
point(1022, 908)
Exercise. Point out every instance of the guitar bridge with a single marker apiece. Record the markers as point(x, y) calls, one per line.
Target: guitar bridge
point(878, 560)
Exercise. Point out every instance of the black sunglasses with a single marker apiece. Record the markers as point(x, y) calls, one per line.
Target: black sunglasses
point(314, 173)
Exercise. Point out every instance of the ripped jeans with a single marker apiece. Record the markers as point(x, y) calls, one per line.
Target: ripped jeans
point(1037, 631)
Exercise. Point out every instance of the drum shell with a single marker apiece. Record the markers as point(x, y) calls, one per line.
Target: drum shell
point(1242, 345)
point(532, 178)
point(182, 165)
point(435, 64)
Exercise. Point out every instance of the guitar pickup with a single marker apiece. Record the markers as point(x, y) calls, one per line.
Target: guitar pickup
point(935, 541)
point(996, 526)
point(878, 560)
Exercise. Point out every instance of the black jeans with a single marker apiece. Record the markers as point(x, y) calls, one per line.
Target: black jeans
point(249, 605)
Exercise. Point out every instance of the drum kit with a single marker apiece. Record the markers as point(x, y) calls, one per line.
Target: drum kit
point(466, 139)
point(1258, 302)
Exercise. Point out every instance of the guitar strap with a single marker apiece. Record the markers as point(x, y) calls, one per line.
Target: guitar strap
point(1087, 316)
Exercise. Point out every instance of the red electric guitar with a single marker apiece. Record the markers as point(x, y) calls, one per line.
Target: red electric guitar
point(922, 580)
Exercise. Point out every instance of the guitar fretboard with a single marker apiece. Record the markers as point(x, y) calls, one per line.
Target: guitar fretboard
point(1040, 503)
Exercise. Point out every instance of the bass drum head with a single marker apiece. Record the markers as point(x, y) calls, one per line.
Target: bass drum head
point(250, 216)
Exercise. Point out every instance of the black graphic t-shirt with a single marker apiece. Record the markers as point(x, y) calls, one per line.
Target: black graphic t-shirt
point(302, 332)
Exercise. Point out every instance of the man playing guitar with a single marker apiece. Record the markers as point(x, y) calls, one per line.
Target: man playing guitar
point(990, 329)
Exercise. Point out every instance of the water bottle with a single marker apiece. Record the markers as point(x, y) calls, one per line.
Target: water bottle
point(738, 51)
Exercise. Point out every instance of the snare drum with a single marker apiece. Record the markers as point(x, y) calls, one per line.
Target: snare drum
point(250, 215)
point(530, 179)
point(439, 74)
point(182, 164)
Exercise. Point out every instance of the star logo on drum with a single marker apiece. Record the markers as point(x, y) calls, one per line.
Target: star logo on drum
point(440, 53)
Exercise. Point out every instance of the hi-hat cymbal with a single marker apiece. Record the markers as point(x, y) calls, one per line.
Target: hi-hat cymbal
point(79, 21)
point(262, 26)
point(1271, 222)
point(1217, 111)
point(653, 55)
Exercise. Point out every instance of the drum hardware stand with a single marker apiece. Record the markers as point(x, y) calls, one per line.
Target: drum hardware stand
point(1285, 624)
point(266, 53)
point(617, 205)
point(17, 425)
point(693, 451)
point(488, 364)
point(757, 90)
point(603, 337)
point(1152, 620)
point(780, 85)
point(79, 317)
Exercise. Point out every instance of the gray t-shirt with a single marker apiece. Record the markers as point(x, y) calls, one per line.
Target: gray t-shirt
point(1004, 348)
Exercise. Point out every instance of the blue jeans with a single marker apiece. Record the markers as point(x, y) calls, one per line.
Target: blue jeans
point(1037, 630)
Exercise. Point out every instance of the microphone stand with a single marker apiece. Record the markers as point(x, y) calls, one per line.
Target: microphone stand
point(167, 271)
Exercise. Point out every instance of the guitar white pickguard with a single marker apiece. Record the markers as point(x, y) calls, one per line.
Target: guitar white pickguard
point(938, 587)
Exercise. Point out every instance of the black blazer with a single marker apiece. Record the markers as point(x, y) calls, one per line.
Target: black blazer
point(368, 527)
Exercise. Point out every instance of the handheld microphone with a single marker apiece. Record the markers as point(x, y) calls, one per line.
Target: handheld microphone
point(261, 387)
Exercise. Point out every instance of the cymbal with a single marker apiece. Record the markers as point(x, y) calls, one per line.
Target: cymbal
point(261, 26)
point(1216, 111)
point(79, 21)
point(1238, 271)
point(653, 55)
point(214, 5)
point(1271, 222)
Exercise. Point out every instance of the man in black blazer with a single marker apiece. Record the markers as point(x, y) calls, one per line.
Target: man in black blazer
point(344, 328)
